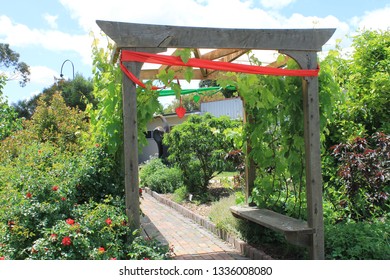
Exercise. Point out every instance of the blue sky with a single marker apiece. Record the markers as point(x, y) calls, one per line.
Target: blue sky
point(47, 32)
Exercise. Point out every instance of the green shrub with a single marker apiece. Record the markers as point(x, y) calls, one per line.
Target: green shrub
point(57, 123)
point(160, 178)
point(166, 180)
point(148, 169)
point(198, 147)
point(98, 175)
point(42, 187)
point(180, 194)
point(358, 241)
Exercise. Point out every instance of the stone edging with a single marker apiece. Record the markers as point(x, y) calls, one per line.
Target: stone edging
point(240, 245)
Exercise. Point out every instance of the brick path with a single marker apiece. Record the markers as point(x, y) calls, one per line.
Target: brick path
point(189, 240)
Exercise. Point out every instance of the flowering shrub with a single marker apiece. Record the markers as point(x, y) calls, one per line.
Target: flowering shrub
point(45, 214)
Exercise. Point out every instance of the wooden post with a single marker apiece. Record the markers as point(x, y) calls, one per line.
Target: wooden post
point(313, 166)
point(308, 60)
point(130, 145)
point(250, 169)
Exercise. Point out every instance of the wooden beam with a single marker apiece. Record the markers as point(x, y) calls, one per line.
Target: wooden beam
point(156, 36)
point(202, 70)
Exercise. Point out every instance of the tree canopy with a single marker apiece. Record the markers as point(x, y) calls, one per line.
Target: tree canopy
point(9, 60)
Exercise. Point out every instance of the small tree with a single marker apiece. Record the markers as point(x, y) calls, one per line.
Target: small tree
point(198, 147)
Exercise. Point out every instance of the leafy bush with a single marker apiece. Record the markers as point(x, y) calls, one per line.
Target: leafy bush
point(363, 167)
point(180, 194)
point(40, 217)
point(53, 204)
point(148, 168)
point(198, 147)
point(57, 123)
point(98, 175)
point(160, 178)
point(8, 117)
point(358, 241)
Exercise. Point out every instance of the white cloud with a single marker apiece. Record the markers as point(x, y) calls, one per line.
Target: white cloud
point(207, 13)
point(51, 20)
point(43, 75)
point(377, 19)
point(276, 4)
point(20, 35)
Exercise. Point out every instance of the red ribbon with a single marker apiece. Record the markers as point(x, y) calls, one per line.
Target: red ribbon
point(128, 56)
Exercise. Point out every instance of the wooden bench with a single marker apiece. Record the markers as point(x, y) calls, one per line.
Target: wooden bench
point(296, 231)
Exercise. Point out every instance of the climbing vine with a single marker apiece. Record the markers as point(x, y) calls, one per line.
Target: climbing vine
point(275, 109)
point(106, 117)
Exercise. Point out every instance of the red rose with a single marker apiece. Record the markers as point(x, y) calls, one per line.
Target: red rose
point(66, 241)
point(113, 259)
point(28, 195)
point(101, 250)
point(146, 259)
point(108, 221)
point(55, 188)
point(63, 198)
point(2, 258)
point(69, 221)
point(140, 192)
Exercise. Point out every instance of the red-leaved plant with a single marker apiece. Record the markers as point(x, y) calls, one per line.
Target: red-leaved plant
point(364, 166)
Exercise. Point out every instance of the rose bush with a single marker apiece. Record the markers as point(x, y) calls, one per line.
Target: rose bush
point(64, 202)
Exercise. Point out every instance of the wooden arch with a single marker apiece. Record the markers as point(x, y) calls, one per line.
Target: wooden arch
point(300, 44)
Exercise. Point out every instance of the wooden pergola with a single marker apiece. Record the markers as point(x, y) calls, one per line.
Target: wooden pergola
point(301, 45)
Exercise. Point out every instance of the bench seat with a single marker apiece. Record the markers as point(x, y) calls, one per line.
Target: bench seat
point(296, 231)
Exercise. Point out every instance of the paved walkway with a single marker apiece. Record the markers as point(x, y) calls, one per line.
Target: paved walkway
point(189, 240)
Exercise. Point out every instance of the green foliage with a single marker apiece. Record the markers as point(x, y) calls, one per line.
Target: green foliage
point(364, 80)
point(198, 147)
point(358, 241)
point(148, 249)
point(76, 94)
point(369, 83)
point(106, 117)
point(60, 200)
point(221, 216)
point(180, 194)
point(57, 123)
point(275, 131)
point(98, 175)
point(160, 178)
point(10, 59)
point(43, 187)
point(8, 117)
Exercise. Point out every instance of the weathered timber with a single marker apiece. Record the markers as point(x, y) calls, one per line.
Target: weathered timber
point(311, 115)
point(296, 231)
point(130, 145)
point(137, 35)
